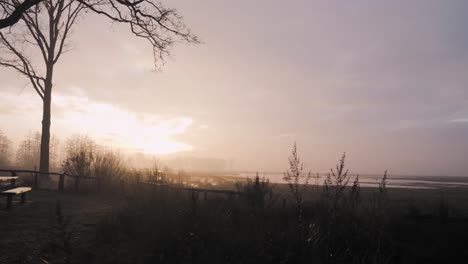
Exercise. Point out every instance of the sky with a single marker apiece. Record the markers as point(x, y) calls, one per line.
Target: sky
point(384, 81)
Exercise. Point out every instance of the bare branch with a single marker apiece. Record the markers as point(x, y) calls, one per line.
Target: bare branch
point(36, 33)
point(160, 26)
point(72, 14)
point(18, 12)
point(128, 3)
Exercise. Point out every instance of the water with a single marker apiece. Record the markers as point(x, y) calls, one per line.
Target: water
point(393, 181)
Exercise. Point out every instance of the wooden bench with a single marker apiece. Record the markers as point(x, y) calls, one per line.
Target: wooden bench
point(12, 192)
point(11, 179)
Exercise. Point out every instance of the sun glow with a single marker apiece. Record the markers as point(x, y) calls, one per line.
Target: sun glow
point(119, 128)
point(164, 146)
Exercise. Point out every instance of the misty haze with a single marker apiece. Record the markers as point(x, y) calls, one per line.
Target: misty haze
point(139, 131)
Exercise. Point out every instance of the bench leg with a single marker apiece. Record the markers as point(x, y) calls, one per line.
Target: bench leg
point(9, 201)
point(23, 198)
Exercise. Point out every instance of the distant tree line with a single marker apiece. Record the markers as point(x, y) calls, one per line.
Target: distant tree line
point(26, 152)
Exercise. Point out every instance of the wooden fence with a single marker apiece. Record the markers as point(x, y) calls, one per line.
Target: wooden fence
point(36, 174)
point(62, 175)
point(194, 191)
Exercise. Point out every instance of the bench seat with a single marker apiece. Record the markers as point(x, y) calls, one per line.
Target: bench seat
point(8, 178)
point(11, 179)
point(12, 192)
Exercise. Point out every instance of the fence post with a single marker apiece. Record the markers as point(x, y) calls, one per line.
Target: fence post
point(35, 178)
point(61, 182)
point(35, 181)
point(12, 182)
point(193, 201)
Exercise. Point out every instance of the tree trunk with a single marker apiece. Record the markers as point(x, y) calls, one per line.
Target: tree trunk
point(45, 135)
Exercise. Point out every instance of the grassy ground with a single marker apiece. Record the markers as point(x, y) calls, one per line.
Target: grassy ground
point(174, 227)
point(26, 230)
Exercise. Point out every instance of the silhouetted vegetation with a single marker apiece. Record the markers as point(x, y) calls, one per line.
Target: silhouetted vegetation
point(257, 193)
point(337, 222)
point(5, 149)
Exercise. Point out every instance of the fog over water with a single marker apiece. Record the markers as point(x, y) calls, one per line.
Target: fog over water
point(393, 181)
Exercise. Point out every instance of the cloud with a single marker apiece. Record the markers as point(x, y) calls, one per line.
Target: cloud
point(106, 123)
point(459, 120)
point(123, 128)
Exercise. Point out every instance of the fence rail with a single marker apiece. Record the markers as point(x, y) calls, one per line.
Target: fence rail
point(191, 189)
point(14, 172)
point(62, 175)
point(61, 182)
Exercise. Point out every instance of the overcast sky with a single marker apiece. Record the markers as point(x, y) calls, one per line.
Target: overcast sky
point(384, 81)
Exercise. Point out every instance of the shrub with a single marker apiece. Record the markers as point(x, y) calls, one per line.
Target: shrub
point(108, 167)
point(258, 192)
point(297, 180)
point(336, 183)
point(155, 174)
point(79, 156)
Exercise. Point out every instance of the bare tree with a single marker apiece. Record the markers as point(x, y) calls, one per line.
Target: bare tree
point(5, 149)
point(76, 144)
point(28, 151)
point(46, 25)
point(79, 156)
point(45, 29)
point(55, 153)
